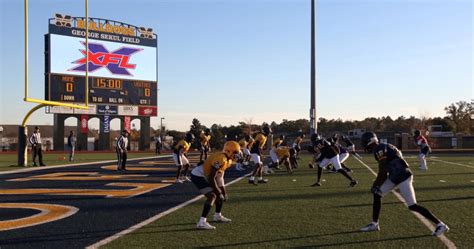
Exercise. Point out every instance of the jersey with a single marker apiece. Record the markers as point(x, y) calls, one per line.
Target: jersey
point(396, 167)
point(277, 143)
point(282, 152)
point(421, 141)
point(205, 139)
point(218, 161)
point(326, 148)
point(258, 144)
point(243, 143)
point(122, 143)
point(181, 145)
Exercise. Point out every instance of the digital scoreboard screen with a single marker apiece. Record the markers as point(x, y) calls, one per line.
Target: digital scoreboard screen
point(122, 65)
point(69, 88)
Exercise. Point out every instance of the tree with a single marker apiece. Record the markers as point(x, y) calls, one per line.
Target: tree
point(217, 139)
point(460, 114)
point(196, 129)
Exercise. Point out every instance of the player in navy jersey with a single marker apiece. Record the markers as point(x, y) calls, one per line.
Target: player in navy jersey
point(393, 172)
point(425, 149)
point(325, 154)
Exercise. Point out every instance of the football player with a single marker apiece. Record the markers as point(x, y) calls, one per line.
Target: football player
point(287, 157)
point(180, 159)
point(343, 154)
point(326, 154)
point(425, 149)
point(297, 144)
point(243, 143)
point(209, 179)
point(256, 151)
point(205, 137)
point(393, 172)
point(277, 143)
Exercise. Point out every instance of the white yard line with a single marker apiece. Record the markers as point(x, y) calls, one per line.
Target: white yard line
point(443, 238)
point(458, 164)
point(29, 169)
point(152, 219)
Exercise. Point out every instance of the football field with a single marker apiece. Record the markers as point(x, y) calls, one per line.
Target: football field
point(287, 212)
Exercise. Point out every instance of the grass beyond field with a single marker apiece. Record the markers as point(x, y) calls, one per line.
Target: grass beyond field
point(9, 161)
point(286, 212)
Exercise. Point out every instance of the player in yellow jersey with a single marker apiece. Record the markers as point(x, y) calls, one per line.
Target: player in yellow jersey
point(275, 159)
point(209, 179)
point(179, 156)
point(286, 156)
point(256, 151)
point(205, 138)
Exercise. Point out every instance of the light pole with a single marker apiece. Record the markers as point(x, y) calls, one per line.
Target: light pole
point(161, 128)
point(313, 123)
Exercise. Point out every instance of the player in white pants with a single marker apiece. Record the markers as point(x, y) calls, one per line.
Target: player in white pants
point(393, 172)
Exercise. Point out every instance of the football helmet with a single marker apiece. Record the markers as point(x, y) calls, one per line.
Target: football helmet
point(207, 132)
point(417, 133)
point(232, 149)
point(368, 138)
point(189, 137)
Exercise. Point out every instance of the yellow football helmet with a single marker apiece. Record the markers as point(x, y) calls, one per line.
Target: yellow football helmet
point(231, 149)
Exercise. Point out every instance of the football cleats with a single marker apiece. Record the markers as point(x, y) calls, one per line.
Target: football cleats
point(189, 137)
point(231, 149)
point(368, 138)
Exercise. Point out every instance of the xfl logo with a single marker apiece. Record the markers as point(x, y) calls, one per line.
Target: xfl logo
point(117, 61)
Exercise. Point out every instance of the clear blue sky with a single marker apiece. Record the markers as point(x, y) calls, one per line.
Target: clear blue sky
point(229, 61)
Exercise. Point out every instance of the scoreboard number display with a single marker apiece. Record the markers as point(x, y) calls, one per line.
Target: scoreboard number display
point(68, 88)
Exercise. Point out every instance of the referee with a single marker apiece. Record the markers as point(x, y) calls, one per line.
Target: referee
point(121, 149)
point(35, 141)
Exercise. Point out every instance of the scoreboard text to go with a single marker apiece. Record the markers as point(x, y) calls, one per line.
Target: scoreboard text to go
point(67, 88)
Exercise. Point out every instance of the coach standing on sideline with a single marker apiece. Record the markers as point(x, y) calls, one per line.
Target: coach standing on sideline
point(35, 140)
point(121, 149)
point(71, 144)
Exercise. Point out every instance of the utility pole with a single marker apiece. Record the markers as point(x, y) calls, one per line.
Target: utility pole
point(313, 123)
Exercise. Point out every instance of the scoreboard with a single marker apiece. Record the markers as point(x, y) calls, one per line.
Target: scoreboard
point(69, 88)
point(122, 66)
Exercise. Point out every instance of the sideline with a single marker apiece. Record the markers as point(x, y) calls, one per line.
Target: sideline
point(457, 164)
point(443, 238)
point(154, 218)
point(29, 169)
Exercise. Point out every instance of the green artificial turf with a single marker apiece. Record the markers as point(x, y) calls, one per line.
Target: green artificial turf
point(287, 212)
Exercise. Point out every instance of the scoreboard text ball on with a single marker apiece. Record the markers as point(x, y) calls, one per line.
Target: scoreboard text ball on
point(122, 67)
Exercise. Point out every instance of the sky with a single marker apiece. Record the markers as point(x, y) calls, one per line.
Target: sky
point(225, 61)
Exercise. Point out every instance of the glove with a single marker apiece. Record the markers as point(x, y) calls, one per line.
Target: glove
point(376, 190)
point(222, 197)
